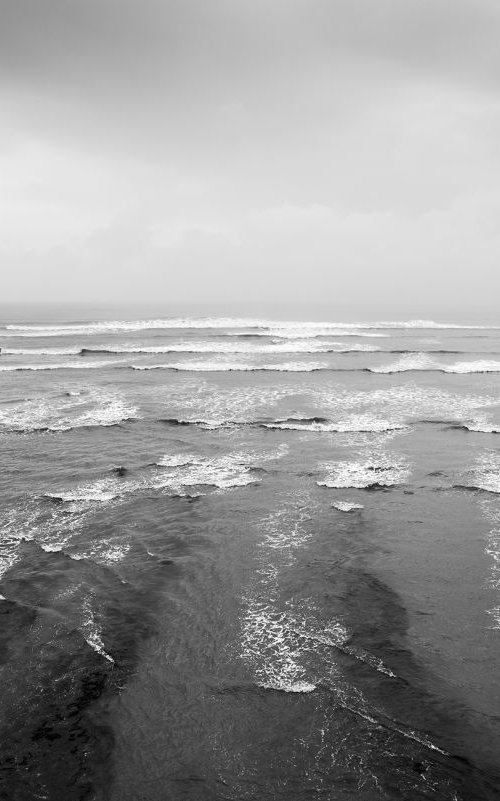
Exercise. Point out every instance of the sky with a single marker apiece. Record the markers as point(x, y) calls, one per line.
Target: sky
point(334, 151)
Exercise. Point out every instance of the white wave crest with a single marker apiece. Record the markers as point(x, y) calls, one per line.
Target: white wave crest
point(40, 351)
point(485, 474)
point(410, 361)
point(356, 423)
point(216, 367)
point(379, 470)
point(230, 345)
point(347, 506)
point(481, 366)
point(95, 407)
point(422, 361)
point(180, 474)
point(61, 366)
point(230, 323)
point(92, 632)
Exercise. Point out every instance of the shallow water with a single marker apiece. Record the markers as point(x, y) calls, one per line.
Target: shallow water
point(268, 568)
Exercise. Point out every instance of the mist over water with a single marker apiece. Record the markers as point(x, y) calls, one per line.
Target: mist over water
point(248, 556)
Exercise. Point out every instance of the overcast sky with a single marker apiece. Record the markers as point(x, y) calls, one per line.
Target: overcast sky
point(228, 149)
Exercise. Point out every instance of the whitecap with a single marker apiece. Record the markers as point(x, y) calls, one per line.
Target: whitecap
point(60, 366)
point(92, 632)
point(480, 366)
point(229, 346)
point(347, 506)
point(410, 361)
point(290, 687)
point(485, 475)
point(356, 423)
point(75, 409)
point(375, 471)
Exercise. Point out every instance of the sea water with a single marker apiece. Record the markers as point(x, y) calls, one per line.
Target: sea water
point(249, 558)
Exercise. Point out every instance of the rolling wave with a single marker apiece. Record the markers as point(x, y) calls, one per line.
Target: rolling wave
point(216, 367)
point(356, 423)
point(116, 326)
point(421, 364)
point(12, 368)
point(421, 361)
point(299, 346)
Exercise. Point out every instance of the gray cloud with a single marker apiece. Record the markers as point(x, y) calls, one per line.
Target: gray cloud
point(229, 138)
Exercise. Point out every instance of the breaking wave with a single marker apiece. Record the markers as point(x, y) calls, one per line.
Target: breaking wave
point(117, 326)
point(422, 361)
point(347, 506)
point(94, 407)
point(66, 366)
point(485, 475)
point(180, 474)
point(377, 471)
point(295, 346)
point(361, 423)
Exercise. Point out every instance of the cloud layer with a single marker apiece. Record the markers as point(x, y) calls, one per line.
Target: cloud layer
point(200, 150)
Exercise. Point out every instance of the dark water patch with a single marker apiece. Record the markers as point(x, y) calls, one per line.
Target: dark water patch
point(120, 471)
point(383, 683)
point(174, 421)
point(474, 488)
point(71, 637)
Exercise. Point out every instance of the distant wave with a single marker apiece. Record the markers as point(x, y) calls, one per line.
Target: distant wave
point(298, 346)
point(66, 366)
point(41, 351)
point(93, 327)
point(481, 366)
point(209, 367)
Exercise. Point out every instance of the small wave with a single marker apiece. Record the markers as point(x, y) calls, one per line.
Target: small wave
point(216, 367)
point(230, 323)
point(311, 332)
point(379, 471)
point(481, 366)
point(65, 366)
point(92, 632)
point(357, 423)
point(480, 426)
point(410, 361)
point(347, 506)
point(230, 346)
point(423, 361)
point(40, 351)
point(289, 687)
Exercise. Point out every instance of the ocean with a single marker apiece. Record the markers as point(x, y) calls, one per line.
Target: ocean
point(249, 559)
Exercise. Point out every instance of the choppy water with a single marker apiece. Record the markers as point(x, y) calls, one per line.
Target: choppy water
point(249, 559)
